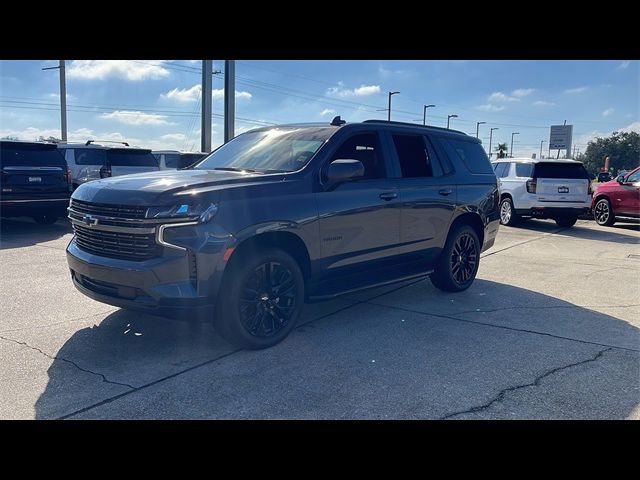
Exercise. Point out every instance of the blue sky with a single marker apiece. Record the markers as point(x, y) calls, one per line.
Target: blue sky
point(156, 104)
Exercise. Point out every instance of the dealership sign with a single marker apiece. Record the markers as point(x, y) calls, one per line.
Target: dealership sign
point(560, 137)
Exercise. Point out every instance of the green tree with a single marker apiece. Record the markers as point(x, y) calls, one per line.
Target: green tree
point(9, 137)
point(48, 139)
point(502, 150)
point(623, 148)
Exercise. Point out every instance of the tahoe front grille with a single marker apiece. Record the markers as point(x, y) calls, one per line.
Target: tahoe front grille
point(125, 246)
point(117, 211)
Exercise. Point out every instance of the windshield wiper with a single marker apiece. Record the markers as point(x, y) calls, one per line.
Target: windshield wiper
point(236, 169)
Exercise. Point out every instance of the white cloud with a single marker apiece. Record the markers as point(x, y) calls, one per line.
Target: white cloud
point(575, 90)
point(633, 127)
point(327, 111)
point(522, 92)
point(489, 107)
point(608, 111)
point(501, 97)
point(122, 69)
point(624, 64)
point(192, 94)
point(183, 94)
point(56, 96)
point(542, 103)
point(361, 91)
point(174, 137)
point(132, 117)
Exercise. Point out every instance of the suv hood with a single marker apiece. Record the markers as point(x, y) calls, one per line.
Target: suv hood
point(165, 186)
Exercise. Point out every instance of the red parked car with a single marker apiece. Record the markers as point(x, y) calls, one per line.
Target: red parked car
point(619, 197)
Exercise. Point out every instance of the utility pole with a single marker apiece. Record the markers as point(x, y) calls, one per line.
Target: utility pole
point(207, 84)
point(478, 128)
point(389, 110)
point(491, 138)
point(541, 142)
point(512, 134)
point(424, 114)
point(229, 99)
point(63, 98)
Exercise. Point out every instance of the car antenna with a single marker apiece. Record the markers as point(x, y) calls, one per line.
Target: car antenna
point(337, 121)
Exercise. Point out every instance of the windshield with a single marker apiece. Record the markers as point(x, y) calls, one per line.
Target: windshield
point(279, 149)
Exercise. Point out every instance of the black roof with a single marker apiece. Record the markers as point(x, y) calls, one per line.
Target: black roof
point(27, 145)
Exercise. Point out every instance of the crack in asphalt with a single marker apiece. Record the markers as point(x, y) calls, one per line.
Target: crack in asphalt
point(55, 357)
point(545, 235)
point(502, 393)
point(213, 360)
point(540, 307)
point(46, 325)
point(504, 327)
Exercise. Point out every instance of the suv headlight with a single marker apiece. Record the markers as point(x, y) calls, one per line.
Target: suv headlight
point(200, 212)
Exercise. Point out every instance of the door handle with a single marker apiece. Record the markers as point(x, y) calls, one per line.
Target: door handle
point(445, 191)
point(388, 196)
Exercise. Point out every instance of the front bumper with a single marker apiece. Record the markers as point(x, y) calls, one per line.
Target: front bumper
point(181, 284)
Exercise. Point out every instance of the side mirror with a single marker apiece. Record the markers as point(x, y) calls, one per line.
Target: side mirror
point(344, 169)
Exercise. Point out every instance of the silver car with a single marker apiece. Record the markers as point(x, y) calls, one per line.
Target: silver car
point(93, 161)
point(174, 159)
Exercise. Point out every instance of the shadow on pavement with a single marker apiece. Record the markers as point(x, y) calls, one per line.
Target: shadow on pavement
point(23, 232)
point(619, 233)
point(428, 367)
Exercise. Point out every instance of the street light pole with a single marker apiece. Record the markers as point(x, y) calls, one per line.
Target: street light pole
point(389, 114)
point(512, 134)
point(478, 128)
point(541, 142)
point(424, 115)
point(449, 117)
point(63, 98)
point(491, 138)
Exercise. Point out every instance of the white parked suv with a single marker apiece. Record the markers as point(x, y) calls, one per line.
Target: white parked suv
point(546, 188)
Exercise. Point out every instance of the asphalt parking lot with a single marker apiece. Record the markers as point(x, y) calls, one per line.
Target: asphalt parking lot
point(549, 330)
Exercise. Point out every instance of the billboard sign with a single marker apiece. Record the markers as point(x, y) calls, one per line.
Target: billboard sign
point(560, 137)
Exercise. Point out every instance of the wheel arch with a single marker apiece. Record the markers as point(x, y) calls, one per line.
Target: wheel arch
point(473, 220)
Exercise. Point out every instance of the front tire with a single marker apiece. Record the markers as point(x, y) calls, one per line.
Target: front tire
point(603, 214)
point(508, 215)
point(46, 219)
point(260, 300)
point(459, 261)
point(566, 222)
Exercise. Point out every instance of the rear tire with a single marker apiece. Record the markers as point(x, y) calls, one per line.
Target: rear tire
point(566, 222)
point(508, 215)
point(603, 214)
point(459, 260)
point(46, 219)
point(260, 299)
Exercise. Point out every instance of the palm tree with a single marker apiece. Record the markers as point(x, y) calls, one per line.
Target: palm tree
point(502, 150)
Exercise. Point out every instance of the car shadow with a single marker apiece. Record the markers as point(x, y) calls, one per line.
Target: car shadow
point(23, 232)
point(618, 233)
point(487, 337)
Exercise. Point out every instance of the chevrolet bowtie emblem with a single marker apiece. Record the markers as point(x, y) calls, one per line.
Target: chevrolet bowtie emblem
point(90, 220)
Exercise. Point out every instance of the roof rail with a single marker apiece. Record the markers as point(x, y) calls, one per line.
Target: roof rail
point(89, 142)
point(393, 122)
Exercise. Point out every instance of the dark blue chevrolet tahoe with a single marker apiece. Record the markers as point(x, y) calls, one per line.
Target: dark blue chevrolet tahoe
point(283, 215)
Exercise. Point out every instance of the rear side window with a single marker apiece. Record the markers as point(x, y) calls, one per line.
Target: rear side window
point(471, 153)
point(14, 155)
point(560, 170)
point(414, 157)
point(90, 156)
point(502, 170)
point(186, 160)
point(172, 160)
point(131, 158)
point(524, 169)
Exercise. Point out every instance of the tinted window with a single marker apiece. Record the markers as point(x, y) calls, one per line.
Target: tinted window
point(89, 156)
point(634, 177)
point(188, 159)
point(471, 153)
point(16, 155)
point(365, 148)
point(413, 156)
point(172, 160)
point(279, 149)
point(131, 158)
point(524, 169)
point(500, 169)
point(560, 170)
